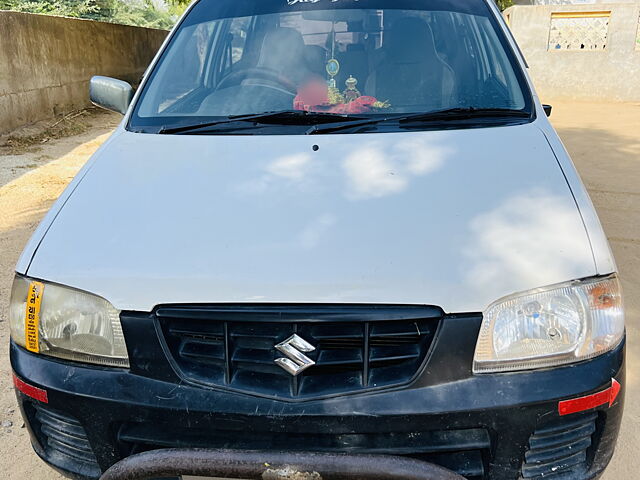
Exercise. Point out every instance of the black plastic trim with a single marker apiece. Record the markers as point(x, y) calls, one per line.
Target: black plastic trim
point(288, 313)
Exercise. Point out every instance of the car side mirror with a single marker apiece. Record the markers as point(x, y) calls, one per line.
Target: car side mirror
point(547, 109)
point(110, 93)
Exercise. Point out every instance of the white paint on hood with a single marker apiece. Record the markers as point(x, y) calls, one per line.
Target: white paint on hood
point(455, 218)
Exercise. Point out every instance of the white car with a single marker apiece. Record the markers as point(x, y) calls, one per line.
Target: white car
point(325, 227)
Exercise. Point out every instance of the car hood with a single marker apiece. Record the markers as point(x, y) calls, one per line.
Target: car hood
point(455, 218)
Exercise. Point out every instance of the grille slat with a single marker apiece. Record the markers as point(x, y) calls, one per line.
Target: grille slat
point(69, 449)
point(555, 467)
point(59, 422)
point(204, 359)
point(563, 437)
point(559, 448)
point(552, 454)
point(213, 338)
point(75, 442)
point(347, 357)
point(232, 348)
point(392, 360)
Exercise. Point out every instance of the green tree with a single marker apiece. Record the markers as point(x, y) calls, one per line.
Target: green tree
point(504, 4)
point(142, 13)
point(67, 8)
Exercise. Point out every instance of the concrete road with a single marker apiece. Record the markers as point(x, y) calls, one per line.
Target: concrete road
point(603, 139)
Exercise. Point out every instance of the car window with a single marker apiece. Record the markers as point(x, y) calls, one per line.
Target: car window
point(184, 68)
point(348, 61)
point(234, 44)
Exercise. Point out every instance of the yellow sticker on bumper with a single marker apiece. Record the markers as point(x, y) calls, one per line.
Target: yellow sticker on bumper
point(32, 316)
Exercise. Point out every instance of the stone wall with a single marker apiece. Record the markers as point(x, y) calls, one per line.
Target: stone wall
point(581, 52)
point(46, 62)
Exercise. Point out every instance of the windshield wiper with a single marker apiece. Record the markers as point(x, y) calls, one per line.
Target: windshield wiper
point(440, 115)
point(282, 117)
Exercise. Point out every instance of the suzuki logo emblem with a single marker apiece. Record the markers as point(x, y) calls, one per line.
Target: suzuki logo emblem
point(295, 348)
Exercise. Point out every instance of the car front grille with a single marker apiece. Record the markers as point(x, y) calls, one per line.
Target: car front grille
point(357, 348)
point(559, 448)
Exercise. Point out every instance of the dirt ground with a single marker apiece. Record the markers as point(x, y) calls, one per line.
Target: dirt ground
point(33, 173)
point(603, 139)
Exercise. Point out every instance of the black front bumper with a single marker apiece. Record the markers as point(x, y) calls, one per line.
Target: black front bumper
point(489, 427)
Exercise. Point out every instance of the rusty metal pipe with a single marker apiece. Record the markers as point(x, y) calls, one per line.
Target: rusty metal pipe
point(268, 465)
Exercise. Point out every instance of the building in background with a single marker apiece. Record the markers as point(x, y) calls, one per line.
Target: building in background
point(579, 49)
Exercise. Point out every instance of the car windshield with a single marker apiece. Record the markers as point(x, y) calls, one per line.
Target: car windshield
point(348, 59)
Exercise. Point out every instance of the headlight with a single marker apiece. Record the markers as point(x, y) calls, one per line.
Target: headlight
point(66, 323)
point(551, 326)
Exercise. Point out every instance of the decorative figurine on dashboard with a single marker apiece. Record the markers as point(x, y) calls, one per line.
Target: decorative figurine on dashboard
point(318, 95)
point(351, 93)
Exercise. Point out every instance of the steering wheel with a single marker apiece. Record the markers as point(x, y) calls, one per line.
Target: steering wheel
point(234, 78)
